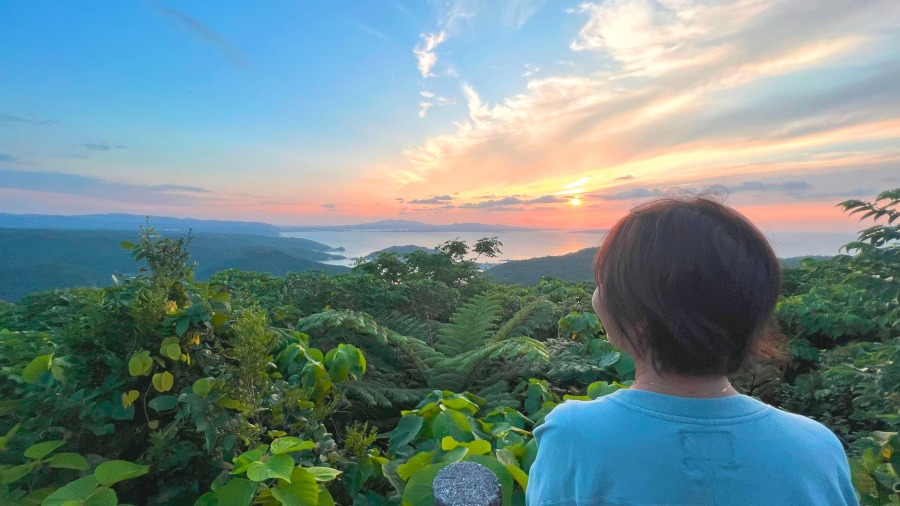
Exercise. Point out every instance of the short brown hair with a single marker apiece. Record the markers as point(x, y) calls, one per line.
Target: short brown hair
point(690, 280)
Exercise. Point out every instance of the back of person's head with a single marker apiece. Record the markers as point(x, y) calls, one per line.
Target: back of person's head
point(690, 282)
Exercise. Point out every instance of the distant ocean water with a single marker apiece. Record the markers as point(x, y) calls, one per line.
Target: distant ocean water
point(519, 245)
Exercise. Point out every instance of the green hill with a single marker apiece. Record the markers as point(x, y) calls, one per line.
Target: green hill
point(577, 266)
point(35, 260)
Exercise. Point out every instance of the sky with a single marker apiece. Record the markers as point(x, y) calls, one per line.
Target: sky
point(546, 113)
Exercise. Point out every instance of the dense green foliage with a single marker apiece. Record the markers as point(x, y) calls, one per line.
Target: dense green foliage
point(357, 388)
point(38, 260)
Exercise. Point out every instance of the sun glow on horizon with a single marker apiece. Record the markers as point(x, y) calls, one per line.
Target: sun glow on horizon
point(575, 201)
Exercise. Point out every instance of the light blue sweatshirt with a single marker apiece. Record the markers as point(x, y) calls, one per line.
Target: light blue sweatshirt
point(635, 447)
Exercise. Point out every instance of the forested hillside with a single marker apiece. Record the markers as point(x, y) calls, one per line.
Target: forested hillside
point(357, 388)
point(36, 260)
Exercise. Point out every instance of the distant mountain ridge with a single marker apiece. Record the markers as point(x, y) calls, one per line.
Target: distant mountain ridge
point(131, 222)
point(120, 221)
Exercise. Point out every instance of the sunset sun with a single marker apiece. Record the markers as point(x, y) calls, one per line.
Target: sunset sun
point(575, 201)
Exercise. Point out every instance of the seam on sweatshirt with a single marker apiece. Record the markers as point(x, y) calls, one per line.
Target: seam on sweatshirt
point(762, 412)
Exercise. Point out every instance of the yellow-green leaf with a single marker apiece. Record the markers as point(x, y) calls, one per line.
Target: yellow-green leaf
point(301, 490)
point(129, 397)
point(69, 461)
point(171, 350)
point(518, 475)
point(323, 473)
point(41, 450)
point(163, 381)
point(202, 387)
point(290, 444)
point(36, 368)
point(114, 471)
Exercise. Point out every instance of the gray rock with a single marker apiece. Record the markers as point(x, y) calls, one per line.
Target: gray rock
point(466, 484)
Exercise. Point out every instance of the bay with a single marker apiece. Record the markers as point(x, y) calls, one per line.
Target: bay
point(523, 244)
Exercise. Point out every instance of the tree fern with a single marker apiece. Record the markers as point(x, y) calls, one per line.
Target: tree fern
point(424, 330)
point(378, 342)
point(470, 326)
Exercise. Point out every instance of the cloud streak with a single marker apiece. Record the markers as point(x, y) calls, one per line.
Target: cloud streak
point(206, 34)
point(94, 188)
point(11, 118)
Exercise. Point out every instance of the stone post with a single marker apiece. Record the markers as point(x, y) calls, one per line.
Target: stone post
point(466, 484)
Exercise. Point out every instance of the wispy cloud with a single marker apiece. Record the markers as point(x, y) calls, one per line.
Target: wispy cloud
point(101, 146)
point(634, 193)
point(369, 30)
point(517, 12)
point(507, 202)
point(425, 52)
point(329, 207)
point(72, 184)
point(180, 188)
point(437, 199)
point(4, 158)
point(207, 34)
point(11, 118)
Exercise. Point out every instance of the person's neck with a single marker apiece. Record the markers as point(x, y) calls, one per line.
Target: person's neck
point(701, 387)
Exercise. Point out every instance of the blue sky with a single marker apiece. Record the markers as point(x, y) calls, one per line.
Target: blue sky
point(519, 111)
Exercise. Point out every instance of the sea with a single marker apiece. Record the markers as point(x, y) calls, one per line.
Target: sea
point(523, 244)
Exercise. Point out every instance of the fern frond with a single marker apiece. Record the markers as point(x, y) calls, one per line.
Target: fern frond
point(407, 325)
point(345, 325)
point(458, 372)
point(536, 314)
point(380, 393)
point(470, 326)
point(497, 394)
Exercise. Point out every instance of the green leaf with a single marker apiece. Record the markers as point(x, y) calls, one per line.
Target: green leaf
point(325, 498)
point(460, 402)
point(278, 466)
point(102, 497)
point(323, 473)
point(419, 489)
point(16, 473)
point(416, 462)
point(243, 461)
point(127, 245)
point(283, 445)
point(301, 490)
point(163, 403)
point(182, 325)
point(237, 492)
point(37, 368)
point(41, 450)
point(407, 429)
point(608, 359)
point(75, 491)
point(518, 475)
point(114, 471)
point(202, 387)
point(69, 461)
point(452, 423)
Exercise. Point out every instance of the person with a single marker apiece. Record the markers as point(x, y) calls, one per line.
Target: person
point(687, 287)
